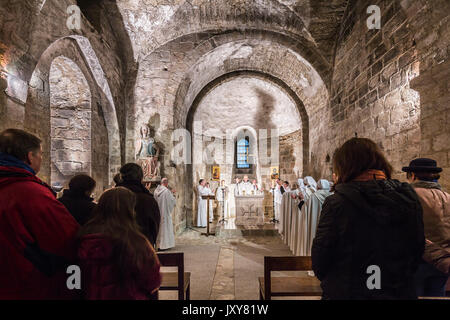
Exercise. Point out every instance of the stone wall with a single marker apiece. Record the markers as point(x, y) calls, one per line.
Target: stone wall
point(26, 53)
point(70, 121)
point(430, 23)
point(291, 157)
point(371, 90)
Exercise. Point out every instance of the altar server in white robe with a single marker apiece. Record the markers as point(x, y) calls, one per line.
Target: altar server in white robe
point(301, 188)
point(311, 186)
point(201, 213)
point(234, 191)
point(278, 197)
point(166, 202)
point(314, 208)
point(211, 210)
point(304, 219)
point(286, 186)
point(256, 188)
point(222, 198)
point(246, 186)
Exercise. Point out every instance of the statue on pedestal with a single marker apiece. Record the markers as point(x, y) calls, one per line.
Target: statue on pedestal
point(147, 153)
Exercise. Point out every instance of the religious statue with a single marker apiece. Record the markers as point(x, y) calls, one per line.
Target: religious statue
point(147, 153)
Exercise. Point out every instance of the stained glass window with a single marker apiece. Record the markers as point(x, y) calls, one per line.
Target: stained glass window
point(242, 154)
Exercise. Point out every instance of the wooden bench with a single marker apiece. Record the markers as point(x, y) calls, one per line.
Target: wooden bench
point(180, 280)
point(288, 286)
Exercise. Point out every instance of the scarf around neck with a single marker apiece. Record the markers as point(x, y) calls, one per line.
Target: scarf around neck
point(7, 160)
point(371, 174)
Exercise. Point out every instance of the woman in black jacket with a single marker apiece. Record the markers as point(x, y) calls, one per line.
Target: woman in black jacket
point(77, 199)
point(370, 237)
point(147, 210)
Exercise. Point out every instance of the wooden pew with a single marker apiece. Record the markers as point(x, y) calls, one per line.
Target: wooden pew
point(180, 280)
point(287, 286)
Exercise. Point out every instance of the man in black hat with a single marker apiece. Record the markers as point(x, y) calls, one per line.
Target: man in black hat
point(423, 174)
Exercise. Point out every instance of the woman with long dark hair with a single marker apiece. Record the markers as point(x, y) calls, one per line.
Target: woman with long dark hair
point(370, 236)
point(117, 261)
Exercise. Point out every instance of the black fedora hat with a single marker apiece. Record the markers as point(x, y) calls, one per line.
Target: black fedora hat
point(422, 165)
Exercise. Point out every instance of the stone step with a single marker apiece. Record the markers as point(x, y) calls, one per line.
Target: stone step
point(245, 232)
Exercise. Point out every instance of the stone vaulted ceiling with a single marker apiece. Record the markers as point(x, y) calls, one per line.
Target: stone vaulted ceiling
point(151, 23)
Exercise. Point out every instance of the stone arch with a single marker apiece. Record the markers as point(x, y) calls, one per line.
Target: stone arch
point(216, 16)
point(264, 76)
point(254, 135)
point(105, 132)
point(189, 169)
point(169, 80)
point(174, 80)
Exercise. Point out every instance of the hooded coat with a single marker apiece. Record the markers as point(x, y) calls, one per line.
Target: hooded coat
point(363, 224)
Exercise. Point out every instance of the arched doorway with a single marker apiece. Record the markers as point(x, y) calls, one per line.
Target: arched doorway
point(238, 105)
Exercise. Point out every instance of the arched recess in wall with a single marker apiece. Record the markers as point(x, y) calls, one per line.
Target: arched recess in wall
point(264, 76)
point(190, 168)
point(250, 133)
point(105, 158)
point(70, 121)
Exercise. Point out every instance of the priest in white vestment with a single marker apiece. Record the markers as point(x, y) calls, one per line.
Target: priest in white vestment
point(246, 186)
point(166, 202)
point(301, 191)
point(210, 193)
point(234, 191)
point(286, 186)
point(201, 213)
point(221, 197)
point(278, 197)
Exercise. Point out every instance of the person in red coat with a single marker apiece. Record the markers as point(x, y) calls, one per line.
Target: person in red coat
point(37, 233)
point(117, 261)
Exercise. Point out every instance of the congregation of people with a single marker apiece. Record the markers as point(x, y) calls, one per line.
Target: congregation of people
point(113, 241)
point(363, 218)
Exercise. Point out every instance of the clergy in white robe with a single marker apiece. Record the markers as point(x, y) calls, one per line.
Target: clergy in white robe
point(202, 204)
point(314, 208)
point(278, 197)
point(301, 188)
point(166, 202)
point(286, 186)
point(222, 198)
point(246, 186)
point(210, 193)
point(256, 188)
point(304, 219)
point(234, 191)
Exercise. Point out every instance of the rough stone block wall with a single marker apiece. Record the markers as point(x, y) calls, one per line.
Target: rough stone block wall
point(26, 52)
point(70, 121)
point(291, 157)
point(371, 86)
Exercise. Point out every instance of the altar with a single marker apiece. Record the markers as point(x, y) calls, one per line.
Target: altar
point(249, 209)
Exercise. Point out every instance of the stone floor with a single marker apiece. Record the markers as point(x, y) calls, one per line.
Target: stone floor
point(224, 268)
